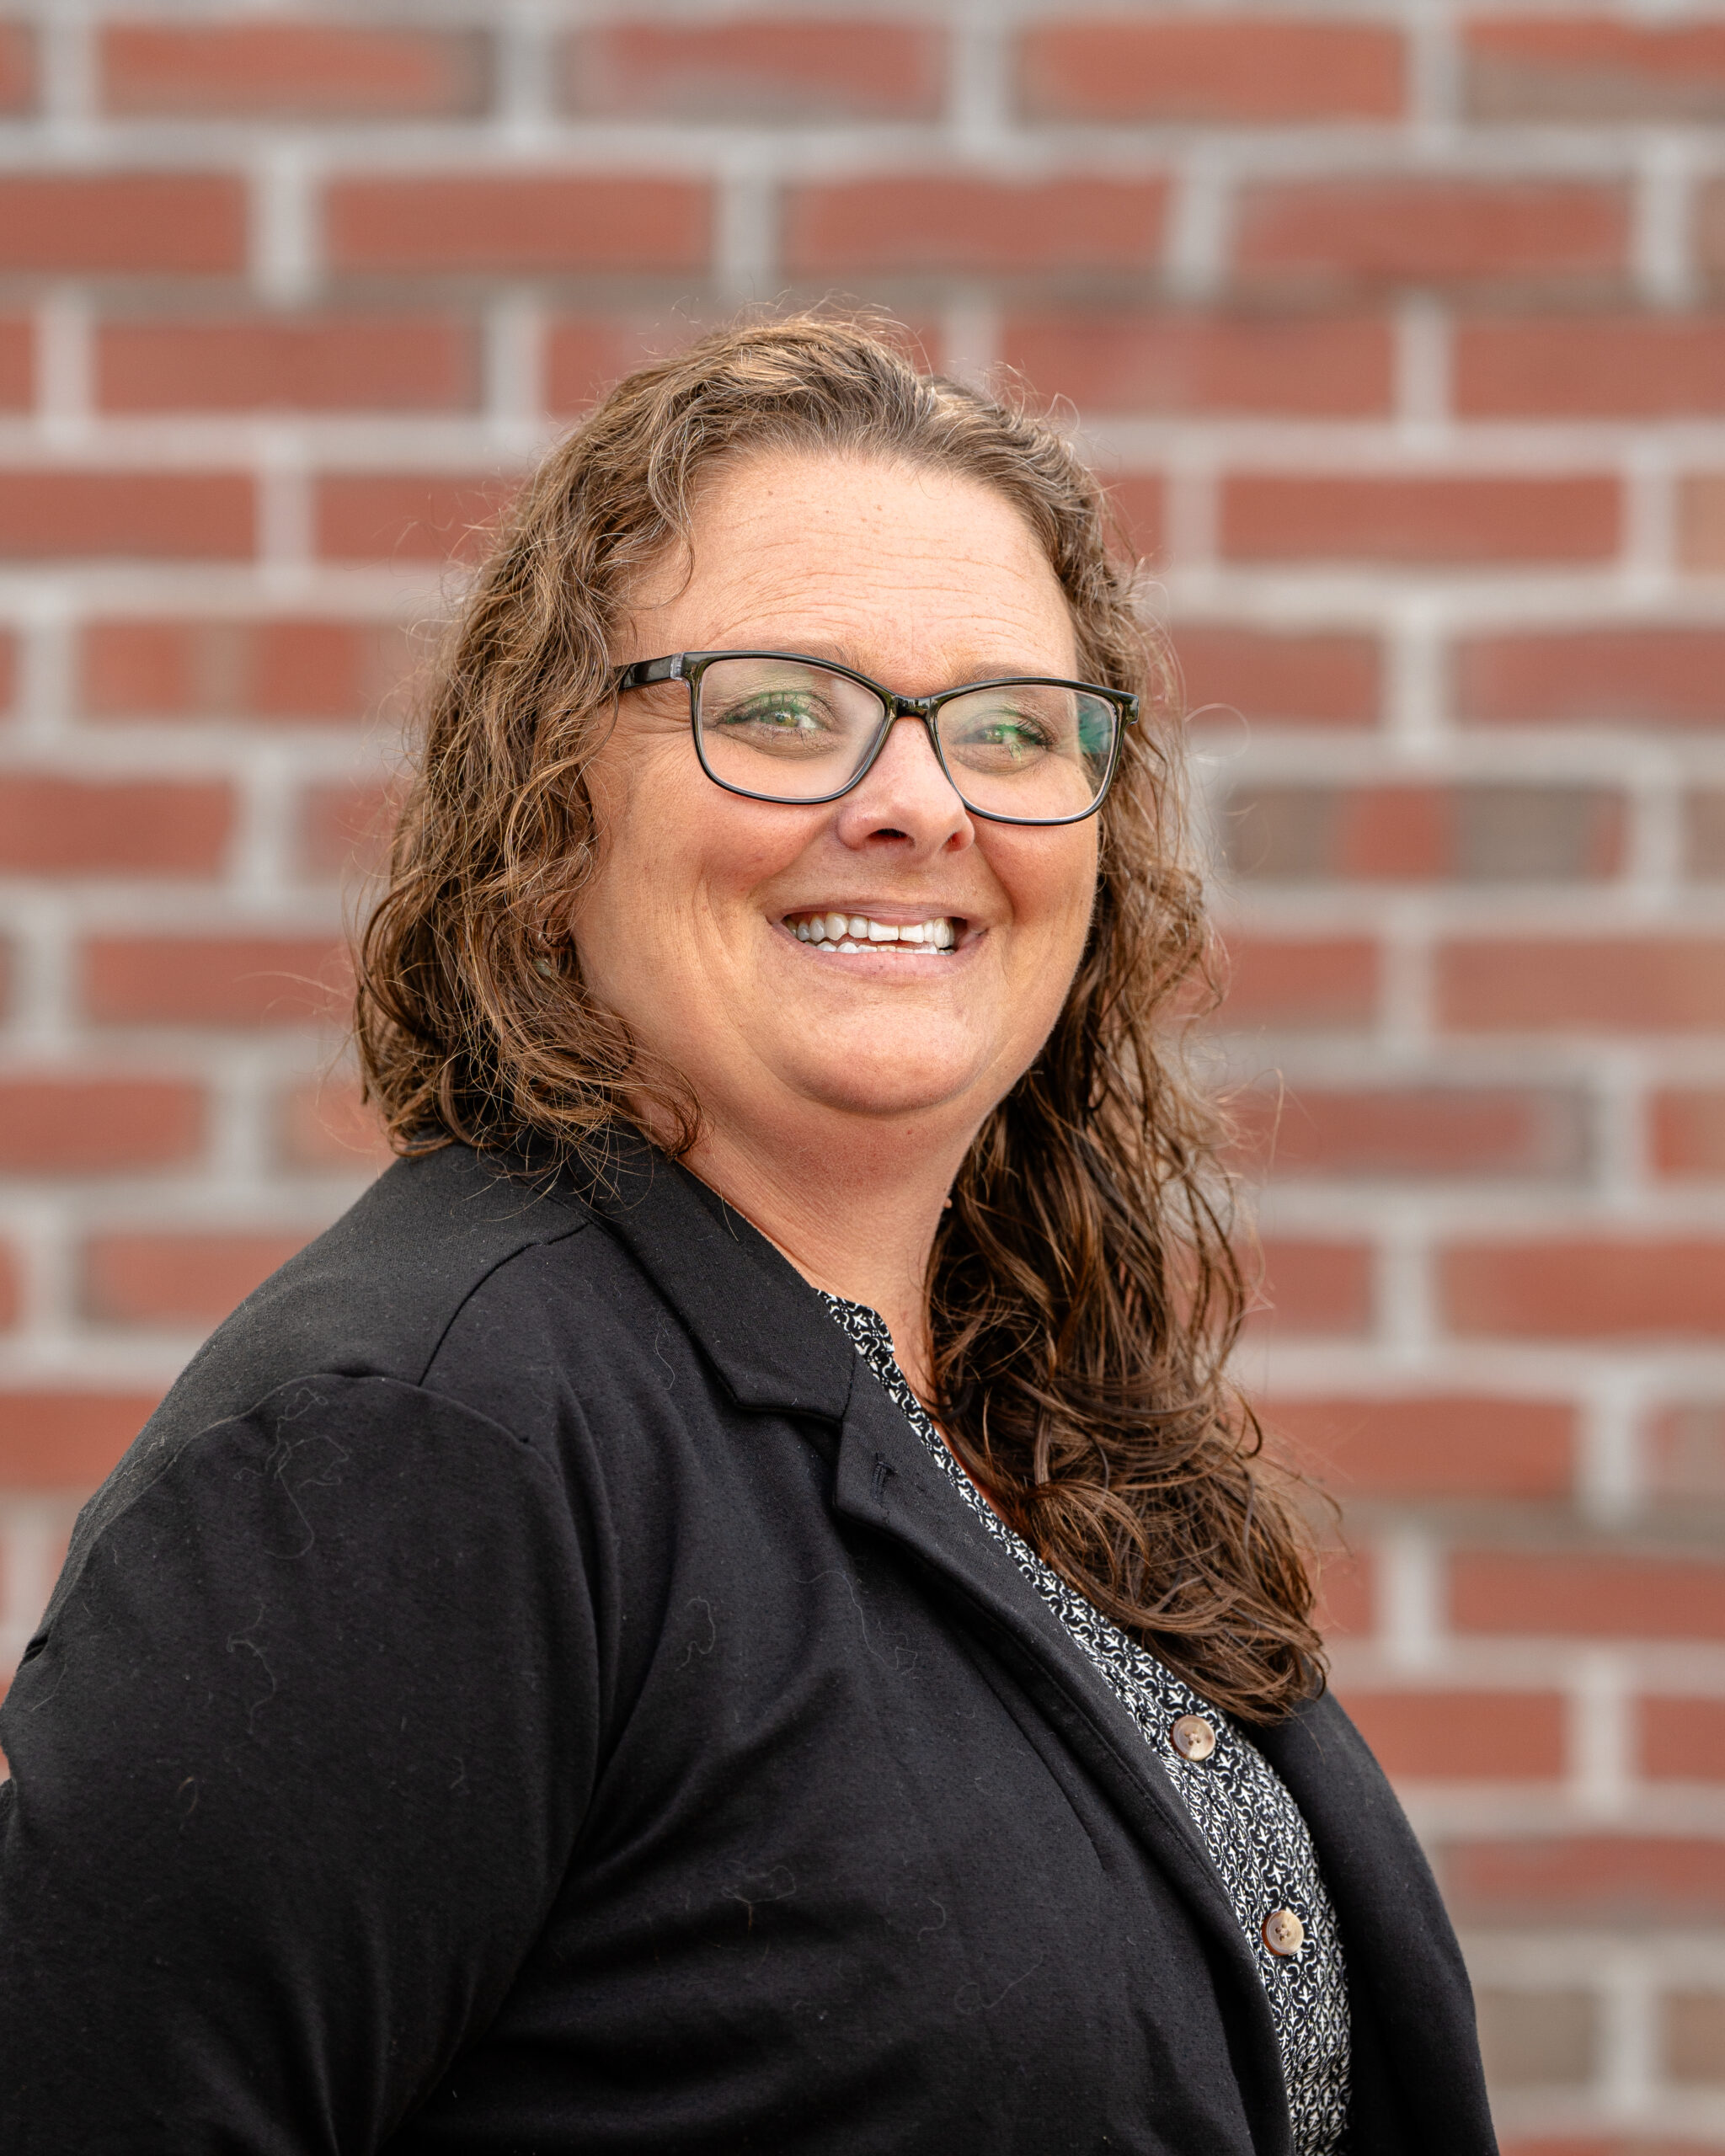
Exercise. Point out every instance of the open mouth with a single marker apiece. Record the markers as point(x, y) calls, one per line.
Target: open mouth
point(839, 932)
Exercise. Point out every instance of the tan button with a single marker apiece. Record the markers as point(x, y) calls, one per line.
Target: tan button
point(1193, 1738)
point(1283, 1934)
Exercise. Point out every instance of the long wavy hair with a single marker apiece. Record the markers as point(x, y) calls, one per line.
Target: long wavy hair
point(1083, 1290)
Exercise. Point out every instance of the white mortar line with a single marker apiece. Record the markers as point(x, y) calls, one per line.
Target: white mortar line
point(1408, 1593)
point(1601, 1714)
point(286, 243)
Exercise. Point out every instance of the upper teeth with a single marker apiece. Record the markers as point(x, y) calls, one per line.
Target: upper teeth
point(852, 931)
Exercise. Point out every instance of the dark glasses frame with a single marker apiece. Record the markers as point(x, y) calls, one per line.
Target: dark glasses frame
point(689, 666)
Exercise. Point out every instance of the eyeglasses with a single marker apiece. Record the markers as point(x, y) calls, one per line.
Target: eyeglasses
point(775, 726)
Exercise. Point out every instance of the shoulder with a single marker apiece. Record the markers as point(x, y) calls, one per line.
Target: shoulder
point(373, 1297)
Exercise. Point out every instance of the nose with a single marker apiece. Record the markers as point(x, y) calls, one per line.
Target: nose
point(905, 800)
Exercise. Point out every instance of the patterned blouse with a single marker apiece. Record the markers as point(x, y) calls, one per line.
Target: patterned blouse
point(1257, 1838)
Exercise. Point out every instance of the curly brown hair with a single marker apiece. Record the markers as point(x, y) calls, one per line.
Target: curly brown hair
point(1083, 1290)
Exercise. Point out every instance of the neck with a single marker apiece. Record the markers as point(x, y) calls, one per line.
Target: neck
point(854, 1211)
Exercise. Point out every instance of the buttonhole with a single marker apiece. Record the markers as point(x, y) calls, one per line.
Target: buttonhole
point(876, 1487)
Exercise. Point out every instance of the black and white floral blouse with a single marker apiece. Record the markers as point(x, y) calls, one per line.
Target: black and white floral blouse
point(1257, 1838)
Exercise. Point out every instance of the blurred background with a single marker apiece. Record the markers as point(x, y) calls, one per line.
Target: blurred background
point(1399, 327)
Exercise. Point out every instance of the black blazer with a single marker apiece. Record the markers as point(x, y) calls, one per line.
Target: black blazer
point(527, 1690)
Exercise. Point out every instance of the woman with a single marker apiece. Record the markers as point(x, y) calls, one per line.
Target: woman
point(727, 1606)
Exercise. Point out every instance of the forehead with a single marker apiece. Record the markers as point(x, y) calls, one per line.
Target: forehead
point(895, 563)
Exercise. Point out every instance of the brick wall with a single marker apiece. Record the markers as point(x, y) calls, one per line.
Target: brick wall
point(1402, 327)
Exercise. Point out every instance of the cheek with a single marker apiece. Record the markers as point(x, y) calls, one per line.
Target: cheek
point(678, 861)
point(1049, 878)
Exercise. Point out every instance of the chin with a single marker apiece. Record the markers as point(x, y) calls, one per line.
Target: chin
point(889, 1088)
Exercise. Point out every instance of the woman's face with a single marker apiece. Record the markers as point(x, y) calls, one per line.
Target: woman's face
point(688, 929)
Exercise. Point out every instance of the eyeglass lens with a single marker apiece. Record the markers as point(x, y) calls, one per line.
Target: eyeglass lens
point(788, 731)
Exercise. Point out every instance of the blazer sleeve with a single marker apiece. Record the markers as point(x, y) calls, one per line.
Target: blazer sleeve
point(297, 1765)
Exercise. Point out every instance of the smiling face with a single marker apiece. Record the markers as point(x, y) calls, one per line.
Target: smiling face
point(886, 956)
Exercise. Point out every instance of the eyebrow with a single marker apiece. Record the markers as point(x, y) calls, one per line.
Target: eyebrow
point(972, 670)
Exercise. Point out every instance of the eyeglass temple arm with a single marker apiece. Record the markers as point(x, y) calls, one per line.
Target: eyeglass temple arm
point(646, 672)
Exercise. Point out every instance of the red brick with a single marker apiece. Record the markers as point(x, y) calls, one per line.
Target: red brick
point(1595, 67)
point(1704, 833)
point(177, 1279)
point(345, 828)
point(1422, 834)
point(1313, 1287)
point(1454, 1445)
point(280, 669)
point(54, 826)
point(1345, 1595)
point(585, 354)
point(326, 1125)
point(1688, 1131)
point(1582, 1287)
point(1649, 675)
point(413, 516)
point(1321, 367)
point(292, 71)
point(1137, 500)
point(1586, 1594)
point(18, 364)
point(212, 980)
point(123, 222)
point(1214, 68)
point(67, 1440)
point(1589, 1879)
point(1389, 228)
point(53, 1124)
point(757, 67)
point(1419, 519)
point(1364, 834)
point(8, 669)
point(1681, 1740)
point(1486, 1736)
point(18, 68)
point(1707, 238)
point(929, 222)
point(1685, 1453)
point(145, 515)
point(1700, 521)
point(1274, 677)
point(1412, 1131)
point(493, 224)
point(9, 1288)
point(1627, 984)
point(425, 363)
point(1694, 2033)
point(1624, 367)
point(1635, 2145)
point(1317, 983)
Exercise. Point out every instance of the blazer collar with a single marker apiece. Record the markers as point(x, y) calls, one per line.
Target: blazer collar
point(751, 1313)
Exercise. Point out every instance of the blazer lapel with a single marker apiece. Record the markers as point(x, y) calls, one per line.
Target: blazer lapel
point(767, 1333)
point(886, 1482)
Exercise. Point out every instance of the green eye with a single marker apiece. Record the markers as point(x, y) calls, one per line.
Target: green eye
point(1001, 741)
point(775, 723)
point(776, 715)
point(1022, 735)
